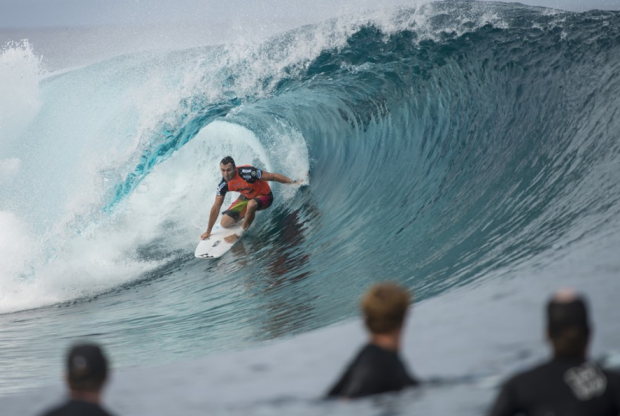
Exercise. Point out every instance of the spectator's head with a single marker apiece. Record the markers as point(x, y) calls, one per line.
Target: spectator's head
point(87, 368)
point(384, 307)
point(568, 326)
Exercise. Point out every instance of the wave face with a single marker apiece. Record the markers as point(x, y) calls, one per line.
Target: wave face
point(442, 145)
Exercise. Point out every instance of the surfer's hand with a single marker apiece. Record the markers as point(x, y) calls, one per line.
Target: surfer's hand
point(206, 235)
point(298, 182)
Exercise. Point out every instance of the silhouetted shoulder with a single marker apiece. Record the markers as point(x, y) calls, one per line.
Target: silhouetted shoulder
point(373, 371)
point(78, 408)
point(561, 387)
point(613, 388)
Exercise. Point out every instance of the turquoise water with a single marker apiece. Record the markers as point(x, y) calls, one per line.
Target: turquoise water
point(449, 146)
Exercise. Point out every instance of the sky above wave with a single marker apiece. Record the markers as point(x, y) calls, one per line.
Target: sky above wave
point(19, 14)
point(73, 33)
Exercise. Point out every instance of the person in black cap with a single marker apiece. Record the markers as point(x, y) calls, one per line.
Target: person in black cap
point(87, 372)
point(569, 384)
point(378, 367)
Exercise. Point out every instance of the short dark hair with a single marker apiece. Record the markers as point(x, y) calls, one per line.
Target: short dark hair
point(87, 367)
point(568, 325)
point(384, 307)
point(228, 160)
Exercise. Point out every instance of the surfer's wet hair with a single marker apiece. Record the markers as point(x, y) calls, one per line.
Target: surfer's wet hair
point(384, 307)
point(228, 160)
point(567, 323)
point(87, 368)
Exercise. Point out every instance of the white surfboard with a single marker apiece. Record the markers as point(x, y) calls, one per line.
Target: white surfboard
point(215, 246)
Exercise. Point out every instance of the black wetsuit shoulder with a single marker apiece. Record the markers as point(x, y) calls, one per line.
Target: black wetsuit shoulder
point(77, 408)
point(250, 174)
point(373, 371)
point(561, 387)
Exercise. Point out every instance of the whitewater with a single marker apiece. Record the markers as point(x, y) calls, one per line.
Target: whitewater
point(469, 151)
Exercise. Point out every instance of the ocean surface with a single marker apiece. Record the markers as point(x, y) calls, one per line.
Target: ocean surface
point(469, 151)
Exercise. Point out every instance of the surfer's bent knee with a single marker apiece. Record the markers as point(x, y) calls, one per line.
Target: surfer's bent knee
point(227, 221)
point(253, 204)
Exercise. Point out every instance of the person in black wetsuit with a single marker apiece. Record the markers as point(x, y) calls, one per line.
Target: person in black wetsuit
point(378, 367)
point(87, 371)
point(569, 384)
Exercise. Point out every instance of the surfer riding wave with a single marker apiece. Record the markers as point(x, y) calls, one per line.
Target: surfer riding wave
point(255, 192)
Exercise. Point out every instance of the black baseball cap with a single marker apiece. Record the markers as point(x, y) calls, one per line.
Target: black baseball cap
point(567, 309)
point(87, 367)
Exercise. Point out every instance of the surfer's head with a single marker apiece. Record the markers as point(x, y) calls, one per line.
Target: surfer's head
point(87, 368)
point(228, 168)
point(568, 326)
point(384, 306)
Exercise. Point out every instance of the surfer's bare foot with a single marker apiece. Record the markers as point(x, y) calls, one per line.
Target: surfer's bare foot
point(231, 238)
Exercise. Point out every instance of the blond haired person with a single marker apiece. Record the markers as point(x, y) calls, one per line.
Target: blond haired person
point(378, 368)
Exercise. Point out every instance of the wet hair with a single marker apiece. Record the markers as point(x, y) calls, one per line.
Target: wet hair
point(568, 325)
point(87, 367)
point(228, 160)
point(384, 306)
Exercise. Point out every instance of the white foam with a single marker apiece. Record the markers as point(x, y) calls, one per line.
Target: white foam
point(9, 169)
point(165, 214)
point(20, 72)
point(16, 244)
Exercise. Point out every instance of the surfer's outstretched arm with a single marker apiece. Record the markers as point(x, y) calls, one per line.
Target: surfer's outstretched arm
point(276, 177)
point(215, 211)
